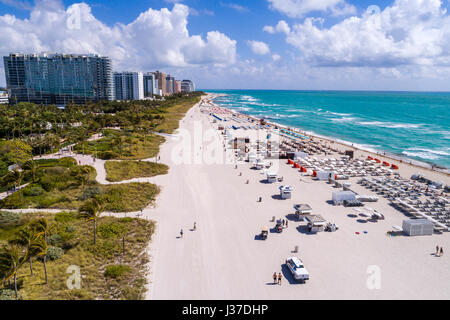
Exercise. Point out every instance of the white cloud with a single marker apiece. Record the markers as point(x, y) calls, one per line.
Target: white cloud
point(410, 32)
point(299, 8)
point(234, 6)
point(276, 57)
point(156, 39)
point(269, 29)
point(282, 27)
point(258, 47)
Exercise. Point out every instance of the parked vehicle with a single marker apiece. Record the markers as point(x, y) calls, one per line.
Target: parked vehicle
point(298, 270)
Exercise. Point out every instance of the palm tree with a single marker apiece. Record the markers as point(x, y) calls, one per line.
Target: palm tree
point(92, 210)
point(12, 257)
point(28, 238)
point(32, 166)
point(17, 176)
point(83, 176)
point(44, 230)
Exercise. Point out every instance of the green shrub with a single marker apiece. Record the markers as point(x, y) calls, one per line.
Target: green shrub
point(116, 271)
point(8, 294)
point(65, 216)
point(54, 253)
point(111, 230)
point(90, 192)
point(55, 240)
point(10, 219)
point(70, 229)
point(33, 191)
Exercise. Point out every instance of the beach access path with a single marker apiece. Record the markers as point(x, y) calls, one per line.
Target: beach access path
point(223, 259)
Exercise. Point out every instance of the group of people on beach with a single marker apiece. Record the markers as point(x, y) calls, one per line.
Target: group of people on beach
point(193, 229)
point(275, 278)
point(439, 252)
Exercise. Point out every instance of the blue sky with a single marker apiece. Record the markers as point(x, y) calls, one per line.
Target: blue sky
point(318, 44)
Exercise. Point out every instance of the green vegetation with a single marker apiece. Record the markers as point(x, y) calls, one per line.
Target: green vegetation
point(63, 184)
point(125, 170)
point(116, 271)
point(113, 268)
point(37, 249)
point(119, 144)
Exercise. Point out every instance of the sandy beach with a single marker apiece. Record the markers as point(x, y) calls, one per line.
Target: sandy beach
point(223, 258)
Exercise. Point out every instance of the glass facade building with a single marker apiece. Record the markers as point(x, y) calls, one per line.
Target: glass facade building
point(58, 78)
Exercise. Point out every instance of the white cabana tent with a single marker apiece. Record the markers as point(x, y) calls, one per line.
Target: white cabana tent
point(418, 227)
point(323, 175)
point(271, 176)
point(340, 196)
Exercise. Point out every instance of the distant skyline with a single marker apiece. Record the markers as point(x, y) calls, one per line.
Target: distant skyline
point(401, 45)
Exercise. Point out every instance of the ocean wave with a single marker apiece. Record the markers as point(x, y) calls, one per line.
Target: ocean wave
point(343, 119)
point(424, 153)
point(391, 125)
point(437, 152)
point(248, 98)
point(337, 113)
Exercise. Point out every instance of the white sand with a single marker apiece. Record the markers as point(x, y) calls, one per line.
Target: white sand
point(222, 259)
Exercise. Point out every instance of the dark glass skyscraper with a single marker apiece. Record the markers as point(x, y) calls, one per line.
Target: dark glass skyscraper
point(58, 78)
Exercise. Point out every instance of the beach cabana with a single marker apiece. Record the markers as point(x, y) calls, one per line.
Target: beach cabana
point(251, 157)
point(316, 223)
point(340, 196)
point(417, 227)
point(258, 164)
point(323, 175)
point(285, 192)
point(301, 210)
point(271, 177)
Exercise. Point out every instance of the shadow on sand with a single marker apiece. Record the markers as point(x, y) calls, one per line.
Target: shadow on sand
point(303, 229)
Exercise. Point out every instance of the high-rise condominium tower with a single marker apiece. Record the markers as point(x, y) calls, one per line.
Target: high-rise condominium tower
point(129, 85)
point(51, 78)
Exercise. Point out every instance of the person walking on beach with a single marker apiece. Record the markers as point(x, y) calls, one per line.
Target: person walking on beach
point(274, 277)
point(279, 278)
point(437, 251)
point(195, 226)
point(181, 233)
point(441, 252)
point(286, 223)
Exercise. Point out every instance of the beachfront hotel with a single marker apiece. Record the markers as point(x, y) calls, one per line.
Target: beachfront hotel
point(129, 85)
point(52, 78)
point(187, 86)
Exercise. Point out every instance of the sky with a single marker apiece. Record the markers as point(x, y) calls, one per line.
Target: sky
point(247, 44)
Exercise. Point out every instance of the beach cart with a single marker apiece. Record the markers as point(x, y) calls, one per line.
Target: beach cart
point(279, 227)
point(264, 233)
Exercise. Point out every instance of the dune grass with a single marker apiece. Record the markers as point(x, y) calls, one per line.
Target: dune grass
point(174, 114)
point(122, 145)
point(106, 272)
point(125, 170)
point(62, 184)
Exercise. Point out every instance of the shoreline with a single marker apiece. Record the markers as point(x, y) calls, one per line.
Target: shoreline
point(420, 165)
point(222, 198)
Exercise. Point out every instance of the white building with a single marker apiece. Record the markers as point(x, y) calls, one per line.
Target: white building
point(129, 85)
point(3, 97)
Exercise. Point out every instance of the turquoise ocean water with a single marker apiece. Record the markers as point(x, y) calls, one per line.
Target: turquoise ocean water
point(408, 124)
